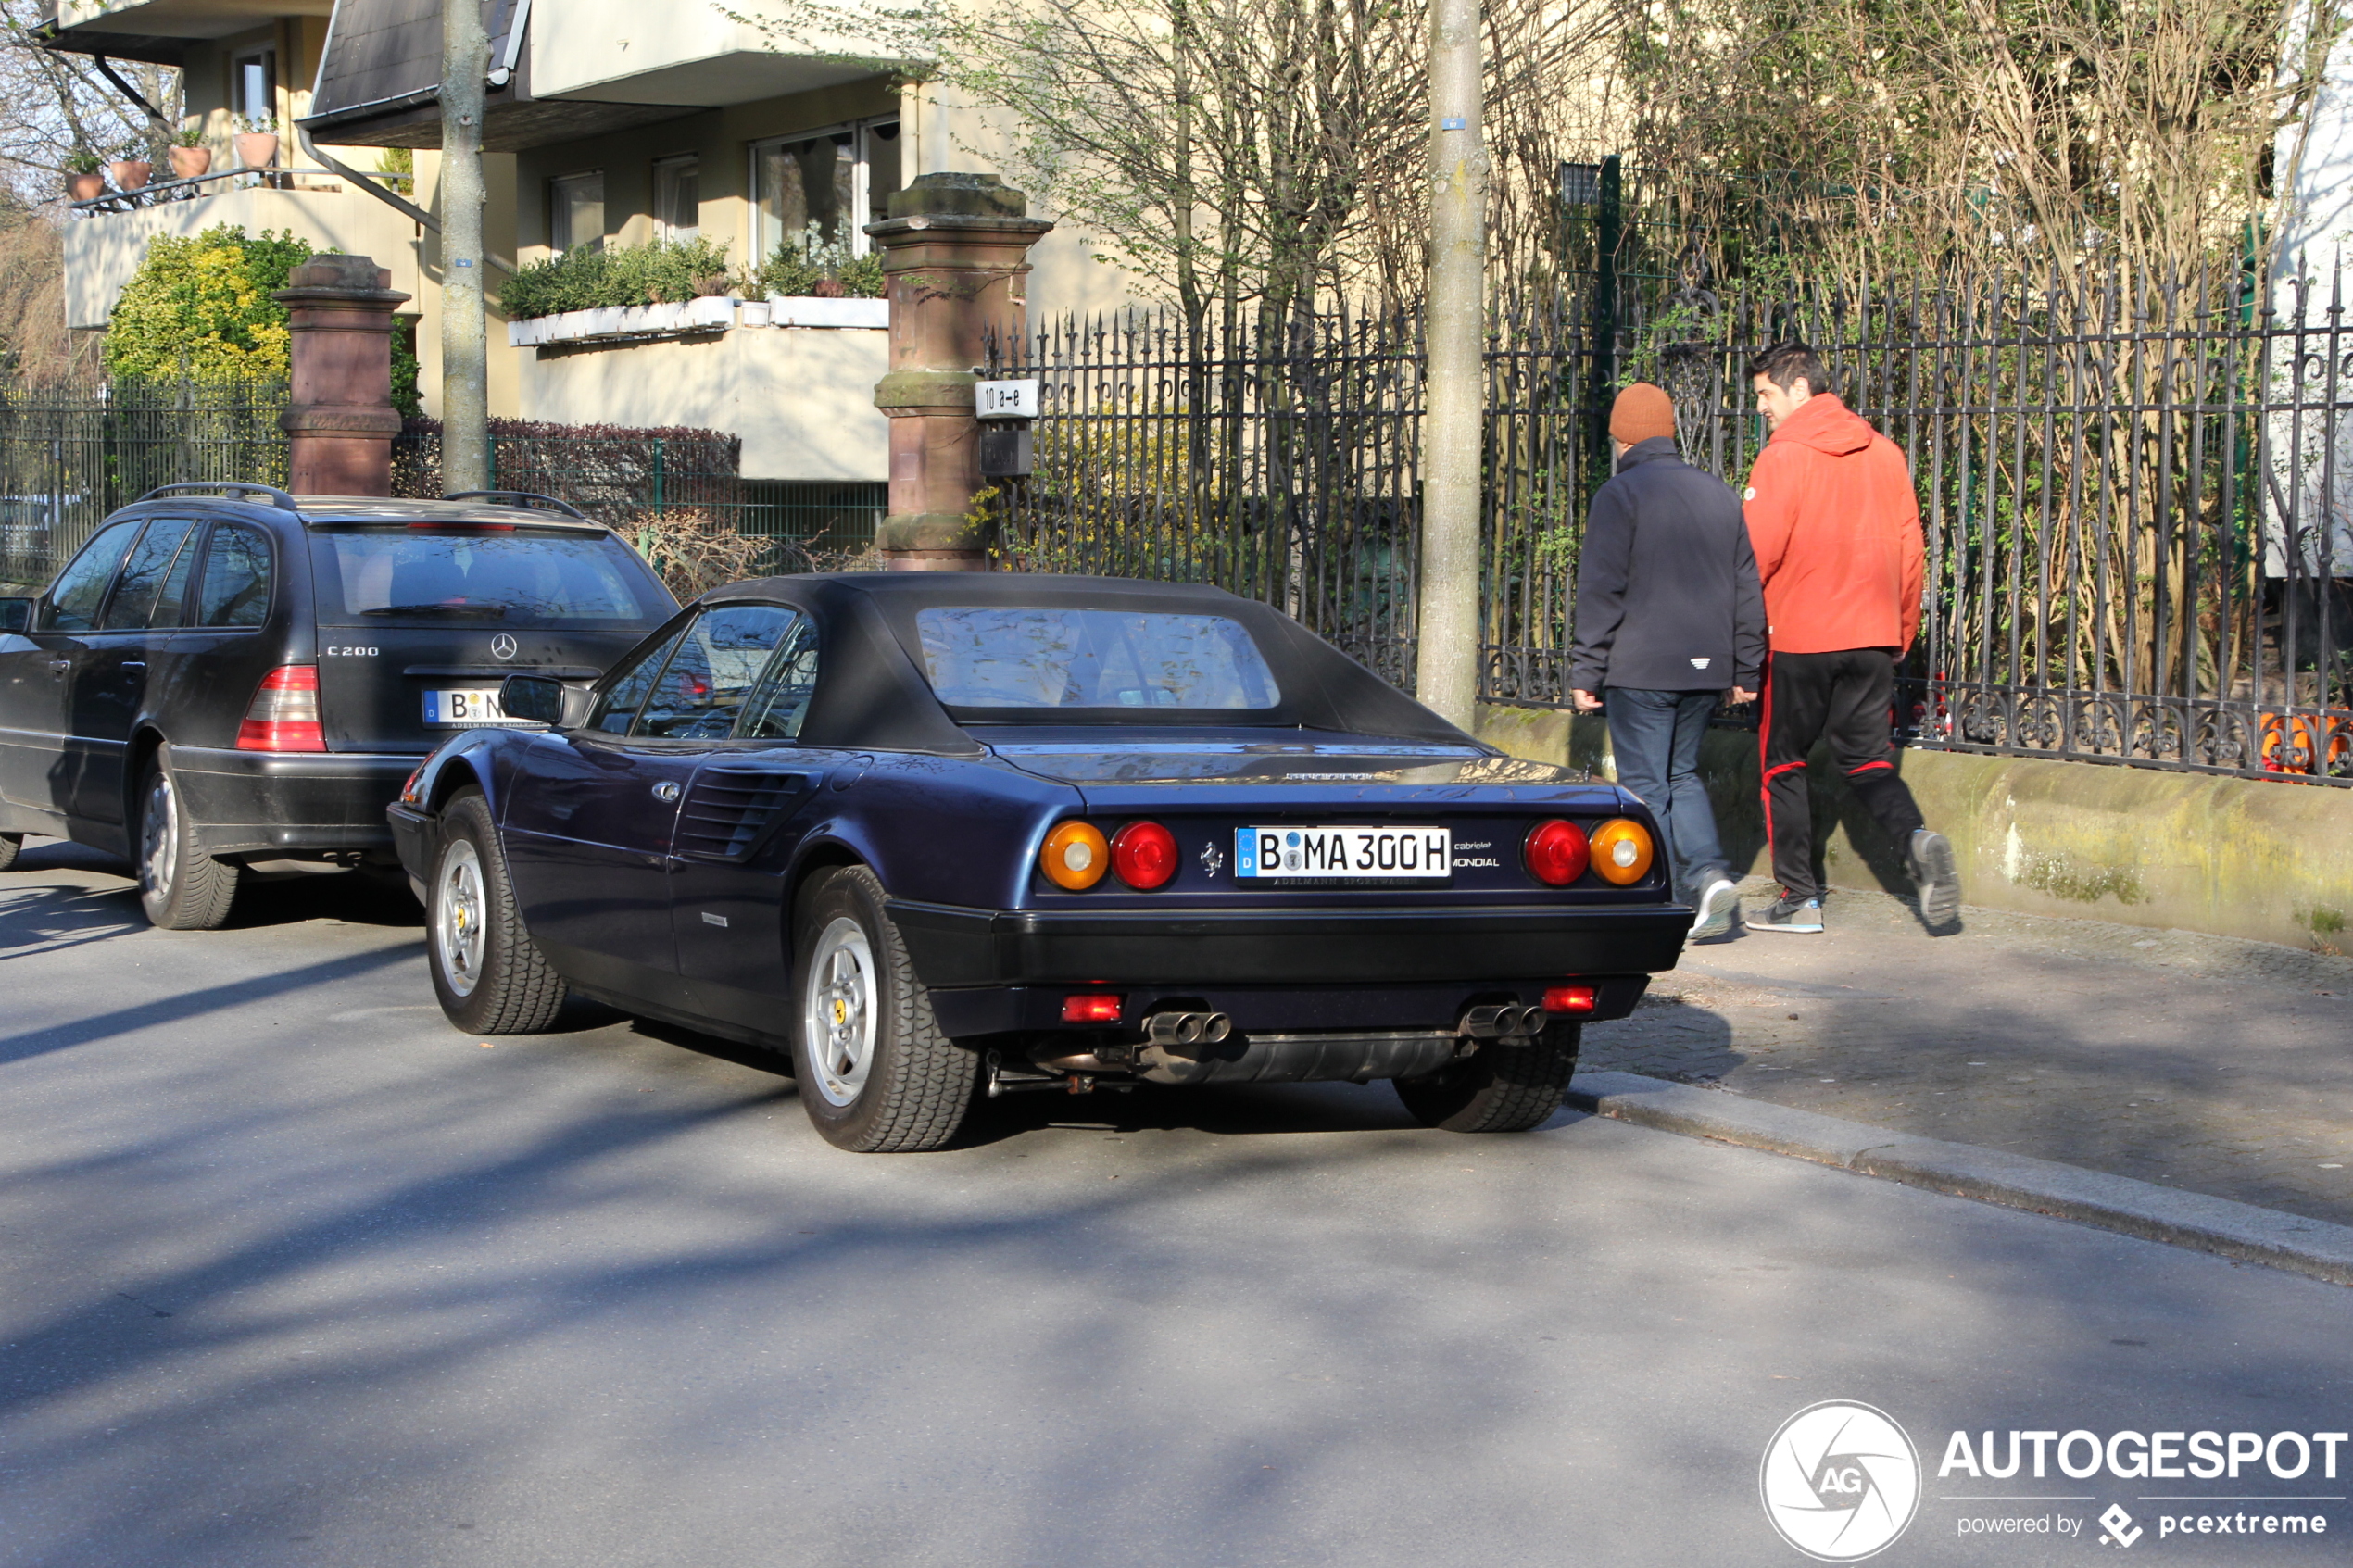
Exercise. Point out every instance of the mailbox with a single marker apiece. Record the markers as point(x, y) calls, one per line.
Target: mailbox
point(1005, 409)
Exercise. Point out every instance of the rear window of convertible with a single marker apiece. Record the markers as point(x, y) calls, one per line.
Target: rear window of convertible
point(1034, 656)
point(518, 578)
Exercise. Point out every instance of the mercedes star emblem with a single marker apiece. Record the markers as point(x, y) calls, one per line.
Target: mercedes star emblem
point(503, 644)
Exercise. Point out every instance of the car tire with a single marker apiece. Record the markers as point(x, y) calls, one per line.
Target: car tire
point(179, 887)
point(489, 976)
point(11, 846)
point(876, 1075)
point(1499, 1088)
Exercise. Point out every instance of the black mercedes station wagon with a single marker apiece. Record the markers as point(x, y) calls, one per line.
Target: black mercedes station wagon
point(227, 678)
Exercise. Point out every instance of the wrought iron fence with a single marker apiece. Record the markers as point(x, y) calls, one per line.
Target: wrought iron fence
point(2137, 497)
point(71, 454)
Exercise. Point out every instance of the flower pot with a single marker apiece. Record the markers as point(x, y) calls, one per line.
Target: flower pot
point(189, 162)
point(86, 187)
point(131, 173)
point(257, 149)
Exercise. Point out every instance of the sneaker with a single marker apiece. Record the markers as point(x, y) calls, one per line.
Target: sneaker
point(1716, 904)
point(1790, 913)
point(1933, 872)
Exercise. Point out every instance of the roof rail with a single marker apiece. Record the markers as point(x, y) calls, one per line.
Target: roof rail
point(278, 499)
point(529, 499)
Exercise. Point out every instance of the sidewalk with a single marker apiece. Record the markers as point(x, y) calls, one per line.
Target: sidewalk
point(2214, 1065)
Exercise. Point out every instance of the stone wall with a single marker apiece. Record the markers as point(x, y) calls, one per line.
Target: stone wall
point(2268, 860)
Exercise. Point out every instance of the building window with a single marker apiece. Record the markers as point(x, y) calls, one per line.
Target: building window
point(576, 211)
point(678, 199)
point(835, 179)
point(253, 86)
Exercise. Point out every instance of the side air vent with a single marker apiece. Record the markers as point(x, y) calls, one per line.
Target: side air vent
point(729, 811)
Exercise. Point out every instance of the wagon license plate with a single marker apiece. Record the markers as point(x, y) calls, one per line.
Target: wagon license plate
point(465, 707)
point(1344, 853)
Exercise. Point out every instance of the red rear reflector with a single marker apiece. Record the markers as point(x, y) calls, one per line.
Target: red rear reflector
point(1144, 854)
point(1568, 998)
point(284, 715)
point(1557, 852)
point(1090, 1010)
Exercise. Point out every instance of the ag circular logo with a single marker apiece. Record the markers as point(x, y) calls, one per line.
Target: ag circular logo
point(1841, 1481)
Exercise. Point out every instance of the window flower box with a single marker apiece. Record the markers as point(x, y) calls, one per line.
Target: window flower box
point(622, 323)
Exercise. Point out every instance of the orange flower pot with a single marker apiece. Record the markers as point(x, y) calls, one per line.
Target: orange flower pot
point(189, 162)
point(131, 173)
point(257, 149)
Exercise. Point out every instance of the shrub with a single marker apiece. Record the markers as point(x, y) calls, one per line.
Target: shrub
point(200, 308)
point(810, 264)
point(589, 277)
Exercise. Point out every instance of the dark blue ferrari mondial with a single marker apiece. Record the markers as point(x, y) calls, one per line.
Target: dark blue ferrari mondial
point(937, 833)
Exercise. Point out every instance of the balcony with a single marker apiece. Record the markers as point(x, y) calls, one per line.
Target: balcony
point(108, 238)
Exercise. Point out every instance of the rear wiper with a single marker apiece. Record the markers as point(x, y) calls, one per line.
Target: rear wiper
point(474, 612)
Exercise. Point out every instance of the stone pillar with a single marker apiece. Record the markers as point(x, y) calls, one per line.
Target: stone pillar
point(956, 252)
point(340, 417)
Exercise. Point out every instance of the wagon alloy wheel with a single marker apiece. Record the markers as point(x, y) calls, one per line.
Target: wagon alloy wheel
point(10, 844)
point(876, 1075)
point(489, 975)
point(179, 887)
point(457, 917)
point(1499, 1089)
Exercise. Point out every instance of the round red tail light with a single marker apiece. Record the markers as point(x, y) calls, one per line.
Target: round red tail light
point(1557, 852)
point(1144, 854)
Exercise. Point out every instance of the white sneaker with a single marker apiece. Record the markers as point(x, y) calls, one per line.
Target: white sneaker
point(1717, 903)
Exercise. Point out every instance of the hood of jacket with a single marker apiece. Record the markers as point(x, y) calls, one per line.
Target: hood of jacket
point(1827, 425)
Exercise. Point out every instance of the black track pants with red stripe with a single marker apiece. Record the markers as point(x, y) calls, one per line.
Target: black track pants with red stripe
point(1847, 700)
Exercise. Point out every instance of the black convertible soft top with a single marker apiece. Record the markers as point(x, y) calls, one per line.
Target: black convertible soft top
point(873, 692)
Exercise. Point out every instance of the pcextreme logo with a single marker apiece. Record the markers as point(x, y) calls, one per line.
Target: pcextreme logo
point(1841, 1481)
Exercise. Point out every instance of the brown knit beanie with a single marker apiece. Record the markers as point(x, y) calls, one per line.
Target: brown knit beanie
point(1641, 412)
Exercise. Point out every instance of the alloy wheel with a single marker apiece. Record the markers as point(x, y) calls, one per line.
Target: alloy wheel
point(840, 1021)
point(158, 838)
point(459, 932)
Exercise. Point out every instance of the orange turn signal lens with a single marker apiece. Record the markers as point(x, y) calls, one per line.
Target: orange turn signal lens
point(1076, 857)
point(1622, 851)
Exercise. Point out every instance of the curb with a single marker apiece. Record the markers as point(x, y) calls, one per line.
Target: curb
point(2240, 1231)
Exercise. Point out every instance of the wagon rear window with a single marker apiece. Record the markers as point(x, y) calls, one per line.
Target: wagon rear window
point(523, 578)
point(1038, 656)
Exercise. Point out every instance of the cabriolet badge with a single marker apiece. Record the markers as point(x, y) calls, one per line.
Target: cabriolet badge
point(1212, 858)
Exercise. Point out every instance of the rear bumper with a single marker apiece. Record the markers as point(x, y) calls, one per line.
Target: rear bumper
point(956, 946)
point(244, 801)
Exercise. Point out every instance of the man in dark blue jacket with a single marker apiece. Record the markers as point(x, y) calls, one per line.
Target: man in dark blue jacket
point(1669, 618)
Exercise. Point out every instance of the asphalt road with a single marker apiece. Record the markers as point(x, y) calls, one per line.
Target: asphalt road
point(292, 1273)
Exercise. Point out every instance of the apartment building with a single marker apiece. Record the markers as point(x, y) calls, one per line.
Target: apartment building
point(610, 121)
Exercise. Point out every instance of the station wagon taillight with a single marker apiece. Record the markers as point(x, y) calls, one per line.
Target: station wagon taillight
point(284, 715)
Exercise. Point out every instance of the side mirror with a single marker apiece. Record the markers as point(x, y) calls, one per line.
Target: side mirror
point(534, 698)
point(15, 615)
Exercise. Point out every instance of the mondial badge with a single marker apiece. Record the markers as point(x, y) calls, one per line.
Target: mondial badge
point(1841, 1481)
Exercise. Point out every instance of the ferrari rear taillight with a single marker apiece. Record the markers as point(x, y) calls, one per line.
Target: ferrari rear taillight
point(284, 715)
point(1144, 854)
point(1557, 852)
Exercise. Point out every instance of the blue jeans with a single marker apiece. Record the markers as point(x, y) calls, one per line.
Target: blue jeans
point(1656, 736)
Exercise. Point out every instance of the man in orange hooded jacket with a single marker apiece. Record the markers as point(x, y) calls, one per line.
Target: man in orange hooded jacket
point(1836, 527)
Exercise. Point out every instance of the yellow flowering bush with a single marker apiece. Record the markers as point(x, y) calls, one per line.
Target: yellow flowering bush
point(201, 307)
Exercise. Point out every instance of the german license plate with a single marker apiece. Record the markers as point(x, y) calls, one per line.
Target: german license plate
point(465, 707)
point(1344, 853)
